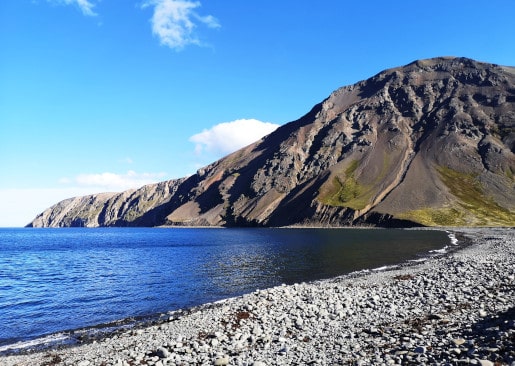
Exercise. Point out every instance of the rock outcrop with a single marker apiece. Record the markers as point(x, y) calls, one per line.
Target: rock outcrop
point(430, 143)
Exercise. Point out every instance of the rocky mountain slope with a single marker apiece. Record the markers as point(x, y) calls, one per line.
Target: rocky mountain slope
point(430, 143)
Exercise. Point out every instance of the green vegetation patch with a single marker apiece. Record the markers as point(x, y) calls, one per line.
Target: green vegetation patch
point(352, 168)
point(473, 208)
point(467, 188)
point(347, 192)
point(435, 217)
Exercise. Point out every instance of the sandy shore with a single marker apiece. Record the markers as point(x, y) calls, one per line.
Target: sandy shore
point(455, 309)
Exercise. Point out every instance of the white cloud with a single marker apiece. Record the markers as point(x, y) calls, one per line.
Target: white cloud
point(20, 206)
point(228, 137)
point(114, 182)
point(85, 6)
point(65, 180)
point(174, 22)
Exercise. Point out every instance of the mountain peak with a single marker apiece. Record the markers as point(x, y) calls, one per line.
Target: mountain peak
point(428, 143)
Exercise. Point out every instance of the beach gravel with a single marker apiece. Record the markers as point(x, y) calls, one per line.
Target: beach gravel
point(455, 309)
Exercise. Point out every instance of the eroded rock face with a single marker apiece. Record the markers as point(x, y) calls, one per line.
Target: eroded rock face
point(430, 143)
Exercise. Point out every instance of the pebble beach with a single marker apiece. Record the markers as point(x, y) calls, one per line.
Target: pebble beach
point(457, 308)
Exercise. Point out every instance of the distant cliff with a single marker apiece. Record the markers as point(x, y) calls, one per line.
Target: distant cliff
point(430, 143)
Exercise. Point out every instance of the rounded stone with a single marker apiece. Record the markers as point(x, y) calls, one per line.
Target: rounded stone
point(420, 350)
point(222, 360)
point(162, 352)
point(458, 341)
point(486, 363)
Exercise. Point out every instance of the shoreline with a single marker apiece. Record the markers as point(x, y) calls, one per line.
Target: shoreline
point(425, 312)
point(96, 332)
point(81, 333)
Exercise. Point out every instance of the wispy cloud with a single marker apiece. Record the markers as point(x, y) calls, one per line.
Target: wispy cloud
point(20, 206)
point(127, 160)
point(174, 22)
point(85, 6)
point(112, 181)
point(227, 137)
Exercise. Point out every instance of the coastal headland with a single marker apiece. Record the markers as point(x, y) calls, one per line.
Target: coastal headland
point(430, 143)
point(453, 309)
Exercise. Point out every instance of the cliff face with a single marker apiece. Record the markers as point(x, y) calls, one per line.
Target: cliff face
point(430, 143)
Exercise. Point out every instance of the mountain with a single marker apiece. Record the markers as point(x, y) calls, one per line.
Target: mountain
point(429, 143)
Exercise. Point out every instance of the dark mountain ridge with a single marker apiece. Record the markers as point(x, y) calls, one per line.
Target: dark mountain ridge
point(429, 143)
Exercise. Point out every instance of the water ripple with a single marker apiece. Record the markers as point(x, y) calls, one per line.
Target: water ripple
point(52, 280)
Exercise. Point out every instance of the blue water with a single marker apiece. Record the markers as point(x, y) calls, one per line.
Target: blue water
point(53, 280)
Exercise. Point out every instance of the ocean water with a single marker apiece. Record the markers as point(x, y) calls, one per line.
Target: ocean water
point(53, 280)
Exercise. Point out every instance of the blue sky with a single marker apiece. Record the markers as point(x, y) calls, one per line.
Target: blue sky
point(103, 95)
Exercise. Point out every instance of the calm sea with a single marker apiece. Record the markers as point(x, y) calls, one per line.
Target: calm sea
point(53, 280)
